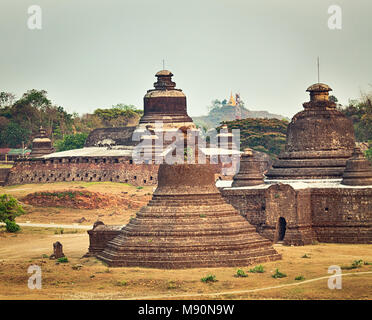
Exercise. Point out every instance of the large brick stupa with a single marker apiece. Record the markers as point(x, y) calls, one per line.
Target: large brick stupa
point(186, 224)
point(320, 139)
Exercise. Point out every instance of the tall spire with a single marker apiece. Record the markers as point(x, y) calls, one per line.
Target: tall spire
point(232, 101)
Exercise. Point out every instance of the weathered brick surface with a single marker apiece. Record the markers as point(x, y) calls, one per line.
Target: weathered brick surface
point(187, 224)
point(116, 169)
point(4, 172)
point(340, 215)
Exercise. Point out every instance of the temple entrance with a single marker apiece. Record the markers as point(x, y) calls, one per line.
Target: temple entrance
point(282, 225)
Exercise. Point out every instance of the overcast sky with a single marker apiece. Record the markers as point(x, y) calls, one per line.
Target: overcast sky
point(92, 53)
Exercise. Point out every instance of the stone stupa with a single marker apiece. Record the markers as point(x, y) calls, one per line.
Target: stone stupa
point(187, 224)
point(250, 171)
point(41, 145)
point(320, 139)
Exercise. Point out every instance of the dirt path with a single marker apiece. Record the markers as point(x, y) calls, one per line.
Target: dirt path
point(53, 225)
point(74, 245)
point(210, 294)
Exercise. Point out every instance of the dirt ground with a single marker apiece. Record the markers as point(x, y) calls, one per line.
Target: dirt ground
point(89, 278)
point(110, 215)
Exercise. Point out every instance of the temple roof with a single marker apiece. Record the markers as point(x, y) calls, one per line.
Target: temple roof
point(319, 87)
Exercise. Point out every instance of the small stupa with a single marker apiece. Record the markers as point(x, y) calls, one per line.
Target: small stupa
point(250, 171)
point(41, 145)
point(187, 224)
point(358, 170)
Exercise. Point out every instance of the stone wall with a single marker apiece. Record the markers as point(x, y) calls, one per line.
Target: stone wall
point(89, 169)
point(342, 215)
point(100, 235)
point(338, 215)
point(3, 175)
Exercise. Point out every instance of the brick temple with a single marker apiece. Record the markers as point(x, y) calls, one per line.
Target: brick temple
point(187, 224)
point(320, 188)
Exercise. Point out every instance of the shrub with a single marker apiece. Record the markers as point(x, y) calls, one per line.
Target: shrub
point(300, 278)
point(62, 260)
point(241, 273)
point(9, 208)
point(278, 274)
point(209, 278)
point(257, 269)
point(11, 226)
point(121, 283)
point(354, 265)
point(305, 256)
point(357, 263)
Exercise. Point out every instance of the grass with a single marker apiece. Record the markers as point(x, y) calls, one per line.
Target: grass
point(355, 264)
point(209, 278)
point(62, 260)
point(305, 256)
point(278, 274)
point(240, 274)
point(299, 278)
point(257, 269)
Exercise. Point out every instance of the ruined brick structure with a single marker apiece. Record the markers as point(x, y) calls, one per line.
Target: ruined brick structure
point(320, 189)
point(41, 144)
point(186, 224)
point(89, 169)
point(4, 172)
point(319, 140)
point(115, 161)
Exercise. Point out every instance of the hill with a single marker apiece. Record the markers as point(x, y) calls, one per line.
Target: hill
point(266, 135)
point(228, 113)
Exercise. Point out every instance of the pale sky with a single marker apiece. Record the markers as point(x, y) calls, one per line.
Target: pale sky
point(92, 53)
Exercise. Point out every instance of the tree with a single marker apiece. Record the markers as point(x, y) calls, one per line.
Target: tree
point(13, 135)
point(9, 208)
point(333, 98)
point(71, 141)
point(360, 112)
point(6, 99)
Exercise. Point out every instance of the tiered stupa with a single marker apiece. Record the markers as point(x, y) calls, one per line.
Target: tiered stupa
point(165, 103)
point(187, 224)
point(319, 140)
point(250, 171)
point(41, 145)
point(358, 170)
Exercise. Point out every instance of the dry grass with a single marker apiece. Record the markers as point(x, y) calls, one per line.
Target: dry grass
point(110, 215)
point(94, 280)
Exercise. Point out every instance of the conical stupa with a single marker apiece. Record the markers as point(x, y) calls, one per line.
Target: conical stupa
point(41, 145)
point(320, 139)
point(358, 170)
point(187, 224)
point(250, 171)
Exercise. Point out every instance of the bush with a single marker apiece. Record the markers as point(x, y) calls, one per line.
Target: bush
point(278, 274)
point(62, 260)
point(300, 278)
point(9, 208)
point(241, 273)
point(305, 256)
point(209, 278)
point(11, 226)
point(257, 269)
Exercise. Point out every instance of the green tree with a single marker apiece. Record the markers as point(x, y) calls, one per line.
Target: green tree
point(71, 141)
point(13, 135)
point(9, 208)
